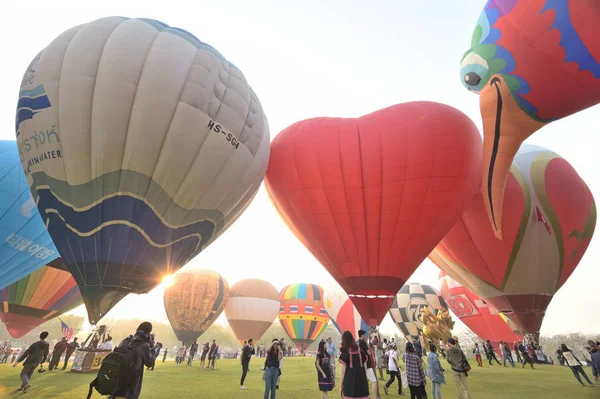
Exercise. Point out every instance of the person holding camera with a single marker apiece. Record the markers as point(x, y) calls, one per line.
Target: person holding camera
point(35, 355)
point(142, 354)
point(274, 355)
point(247, 352)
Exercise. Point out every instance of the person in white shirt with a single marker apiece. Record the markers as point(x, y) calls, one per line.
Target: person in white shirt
point(108, 344)
point(394, 369)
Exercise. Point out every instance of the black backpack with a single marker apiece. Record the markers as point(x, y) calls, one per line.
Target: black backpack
point(117, 370)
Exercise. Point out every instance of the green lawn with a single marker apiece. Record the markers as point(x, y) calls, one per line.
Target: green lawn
point(298, 381)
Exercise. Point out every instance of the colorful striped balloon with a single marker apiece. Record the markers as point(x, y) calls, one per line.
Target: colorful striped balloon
point(302, 313)
point(43, 295)
point(194, 302)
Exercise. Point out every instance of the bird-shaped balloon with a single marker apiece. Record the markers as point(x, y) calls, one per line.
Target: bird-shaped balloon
point(533, 62)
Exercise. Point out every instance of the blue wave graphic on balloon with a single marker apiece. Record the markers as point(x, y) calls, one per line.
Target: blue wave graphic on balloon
point(30, 103)
point(120, 241)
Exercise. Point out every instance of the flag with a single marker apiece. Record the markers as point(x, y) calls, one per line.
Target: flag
point(66, 330)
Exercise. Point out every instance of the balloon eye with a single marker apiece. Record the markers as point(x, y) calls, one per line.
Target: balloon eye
point(472, 79)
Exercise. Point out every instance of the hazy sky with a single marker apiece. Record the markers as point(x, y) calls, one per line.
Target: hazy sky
point(306, 59)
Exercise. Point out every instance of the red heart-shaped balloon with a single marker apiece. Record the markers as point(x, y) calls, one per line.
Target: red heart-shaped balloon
point(370, 197)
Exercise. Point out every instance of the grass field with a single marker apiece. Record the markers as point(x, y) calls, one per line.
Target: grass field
point(298, 382)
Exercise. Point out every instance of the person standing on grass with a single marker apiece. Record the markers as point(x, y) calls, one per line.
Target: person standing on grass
point(193, 351)
point(477, 353)
point(394, 369)
point(525, 355)
point(364, 345)
point(59, 349)
point(273, 356)
point(436, 372)
point(491, 353)
point(455, 358)
point(333, 353)
point(35, 355)
point(353, 373)
point(214, 353)
point(247, 352)
point(414, 373)
point(507, 355)
point(574, 364)
point(517, 352)
point(180, 353)
point(596, 361)
point(205, 350)
point(322, 363)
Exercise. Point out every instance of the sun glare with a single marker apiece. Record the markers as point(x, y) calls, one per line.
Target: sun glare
point(168, 280)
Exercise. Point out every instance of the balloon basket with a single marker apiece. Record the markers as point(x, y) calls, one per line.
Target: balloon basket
point(88, 360)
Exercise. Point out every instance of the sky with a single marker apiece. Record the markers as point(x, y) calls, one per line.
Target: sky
point(308, 59)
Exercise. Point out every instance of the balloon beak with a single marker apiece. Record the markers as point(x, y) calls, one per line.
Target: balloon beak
point(505, 127)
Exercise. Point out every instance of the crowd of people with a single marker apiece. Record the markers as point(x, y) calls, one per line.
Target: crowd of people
point(361, 362)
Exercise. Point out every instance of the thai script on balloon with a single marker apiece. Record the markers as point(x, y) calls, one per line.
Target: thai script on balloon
point(39, 139)
point(21, 244)
point(30, 73)
point(215, 127)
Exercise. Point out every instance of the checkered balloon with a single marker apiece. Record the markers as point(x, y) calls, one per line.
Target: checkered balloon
point(409, 304)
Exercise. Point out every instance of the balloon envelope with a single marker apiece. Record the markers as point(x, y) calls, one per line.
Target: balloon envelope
point(371, 197)
point(302, 313)
point(25, 244)
point(549, 219)
point(517, 48)
point(194, 302)
point(342, 312)
point(43, 295)
point(252, 308)
point(409, 305)
point(482, 318)
point(141, 145)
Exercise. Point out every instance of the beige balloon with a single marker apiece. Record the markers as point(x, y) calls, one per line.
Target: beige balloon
point(252, 308)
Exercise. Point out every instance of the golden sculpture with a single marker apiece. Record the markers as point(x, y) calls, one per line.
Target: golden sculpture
point(436, 328)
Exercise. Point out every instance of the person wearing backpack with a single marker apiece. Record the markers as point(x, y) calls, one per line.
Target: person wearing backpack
point(456, 359)
point(35, 355)
point(122, 371)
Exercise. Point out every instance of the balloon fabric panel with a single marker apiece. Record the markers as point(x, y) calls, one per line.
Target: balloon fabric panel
point(408, 307)
point(252, 307)
point(25, 244)
point(549, 221)
point(302, 313)
point(48, 292)
point(337, 184)
point(161, 145)
point(518, 46)
point(478, 315)
point(194, 302)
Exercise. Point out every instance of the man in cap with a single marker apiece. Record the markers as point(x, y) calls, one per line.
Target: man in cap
point(142, 343)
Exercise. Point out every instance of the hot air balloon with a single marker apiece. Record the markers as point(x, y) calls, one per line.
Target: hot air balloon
point(194, 301)
point(409, 304)
point(37, 298)
point(371, 197)
point(482, 318)
point(302, 313)
point(25, 244)
point(252, 308)
point(533, 62)
point(342, 312)
point(549, 219)
point(141, 145)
